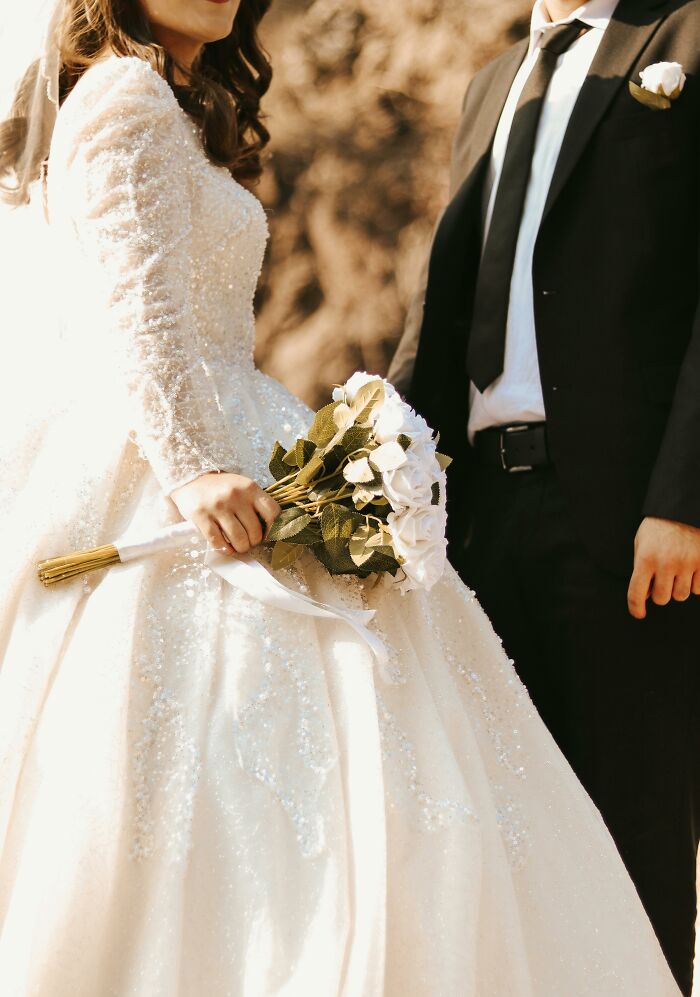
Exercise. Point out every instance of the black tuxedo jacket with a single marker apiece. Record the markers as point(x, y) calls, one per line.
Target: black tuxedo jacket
point(616, 287)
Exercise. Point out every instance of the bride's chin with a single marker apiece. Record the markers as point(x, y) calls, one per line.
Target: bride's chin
point(220, 18)
point(217, 32)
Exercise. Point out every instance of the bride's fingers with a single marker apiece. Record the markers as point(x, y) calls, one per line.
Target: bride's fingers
point(267, 509)
point(250, 521)
point(234, 531)
point(211, 532)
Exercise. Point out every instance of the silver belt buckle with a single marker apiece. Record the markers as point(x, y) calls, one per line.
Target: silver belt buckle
point(512, 470)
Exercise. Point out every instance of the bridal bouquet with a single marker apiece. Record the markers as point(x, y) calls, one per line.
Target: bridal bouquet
point(365, 491)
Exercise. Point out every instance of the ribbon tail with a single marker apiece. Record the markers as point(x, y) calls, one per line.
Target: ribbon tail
point(251, 577)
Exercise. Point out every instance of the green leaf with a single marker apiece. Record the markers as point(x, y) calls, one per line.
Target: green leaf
point(278, 468)
point(436, 493)
point(404, 441)
point(343, 417)
point(358, 552)
point(334, 457)
point(376, 539)
point(307, 537)
point(343, 564)
point(381, 561)
point(359, 544)
point(290, 458)
point(305, 450)
point(355, 438)
point(388, 551)
point(284, 554)
point(310, 470)
point(288, 524)
point(337, 563)
point(443, 460)
point(324, 428)
point(337, 526)
point(368, 397)
point(323, 489)
point(364, 533)
point(656, 101)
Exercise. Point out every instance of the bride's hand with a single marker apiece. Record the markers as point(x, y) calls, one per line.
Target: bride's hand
point(232, 513)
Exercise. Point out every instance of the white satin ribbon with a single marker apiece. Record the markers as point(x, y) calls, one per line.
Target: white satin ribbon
point(172, 536)
point(253, 578)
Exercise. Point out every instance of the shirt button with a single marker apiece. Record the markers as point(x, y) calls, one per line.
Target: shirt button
point(548, 294)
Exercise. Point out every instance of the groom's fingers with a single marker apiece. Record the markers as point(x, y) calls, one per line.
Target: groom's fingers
point(638, 592)
point(662, 589)
point(682, 586)
point(696, 583)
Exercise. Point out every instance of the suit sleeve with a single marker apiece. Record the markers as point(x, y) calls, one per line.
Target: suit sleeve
point(674, 489)
point(401, 368)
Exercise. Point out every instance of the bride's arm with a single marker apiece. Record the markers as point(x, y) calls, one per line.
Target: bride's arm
point(130, 201)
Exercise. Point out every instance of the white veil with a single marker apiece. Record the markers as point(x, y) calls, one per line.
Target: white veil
point(28, 37)
point(30, 330)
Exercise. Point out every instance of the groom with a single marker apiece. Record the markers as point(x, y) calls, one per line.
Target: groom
point(556, 346)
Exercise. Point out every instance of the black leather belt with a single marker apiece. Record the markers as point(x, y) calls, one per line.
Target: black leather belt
point(514, 448)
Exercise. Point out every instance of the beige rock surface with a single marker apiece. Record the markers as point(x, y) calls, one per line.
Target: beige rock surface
point(362, 112)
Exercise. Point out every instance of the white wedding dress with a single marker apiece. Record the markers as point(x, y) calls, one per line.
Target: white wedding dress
point(204, 797)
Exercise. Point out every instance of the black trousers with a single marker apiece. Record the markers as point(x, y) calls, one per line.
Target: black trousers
point(619, 695)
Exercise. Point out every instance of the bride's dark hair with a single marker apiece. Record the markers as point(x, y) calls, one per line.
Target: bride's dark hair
point(223, 90)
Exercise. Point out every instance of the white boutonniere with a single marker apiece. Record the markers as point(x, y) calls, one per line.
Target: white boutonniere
point(662, 83)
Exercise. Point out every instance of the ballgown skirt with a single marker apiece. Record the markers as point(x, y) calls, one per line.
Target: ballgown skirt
point(204, 797)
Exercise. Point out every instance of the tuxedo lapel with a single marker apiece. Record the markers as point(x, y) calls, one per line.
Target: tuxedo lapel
point(469, 165)
point(632, 26)
point(483, 131)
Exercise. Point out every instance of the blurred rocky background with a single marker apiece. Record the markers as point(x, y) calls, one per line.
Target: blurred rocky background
point(362, 111)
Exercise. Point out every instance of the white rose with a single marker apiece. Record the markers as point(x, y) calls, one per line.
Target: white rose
point(396, 417)
point(417, 526)
point(665, 78)
point(411, 486)
point(418, 538)
point(357, 381)
point(425, 572)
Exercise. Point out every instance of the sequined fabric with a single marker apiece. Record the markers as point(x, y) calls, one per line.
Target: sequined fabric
point(203, 796)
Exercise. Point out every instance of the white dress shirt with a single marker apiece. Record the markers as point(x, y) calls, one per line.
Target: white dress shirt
point(516, 396)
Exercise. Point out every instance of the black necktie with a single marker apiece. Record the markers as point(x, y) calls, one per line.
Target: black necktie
point(487, 337)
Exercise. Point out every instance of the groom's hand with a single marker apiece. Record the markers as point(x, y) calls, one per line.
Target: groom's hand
point(666, 564)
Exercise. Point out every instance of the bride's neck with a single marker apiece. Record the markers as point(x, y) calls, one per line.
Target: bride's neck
point(182, 48)
point(183, 58)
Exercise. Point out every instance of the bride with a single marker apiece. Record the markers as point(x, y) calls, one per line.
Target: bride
point(200, 795)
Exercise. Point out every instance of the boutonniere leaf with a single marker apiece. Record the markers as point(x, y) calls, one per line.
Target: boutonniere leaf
point(656, 101)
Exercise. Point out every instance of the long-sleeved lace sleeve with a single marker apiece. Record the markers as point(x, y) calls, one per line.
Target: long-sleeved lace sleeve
point(130, 202)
